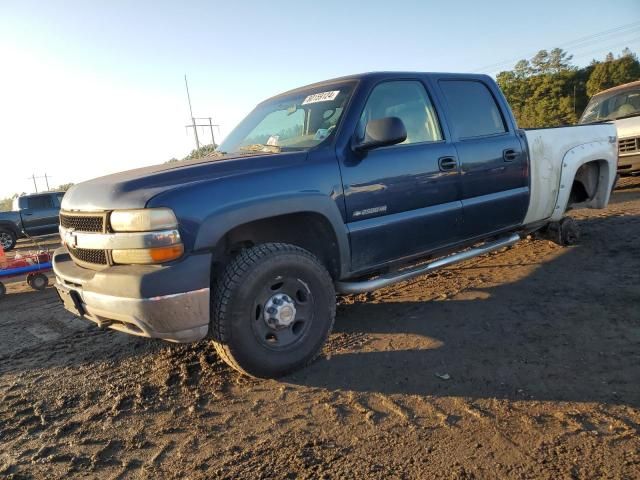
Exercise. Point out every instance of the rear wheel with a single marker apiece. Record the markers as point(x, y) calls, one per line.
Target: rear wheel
point(38, 281)
point(8, 239)
point(273, 308)
point(3, 289)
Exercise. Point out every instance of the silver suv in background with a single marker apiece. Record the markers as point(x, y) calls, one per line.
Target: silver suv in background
point(620, 105)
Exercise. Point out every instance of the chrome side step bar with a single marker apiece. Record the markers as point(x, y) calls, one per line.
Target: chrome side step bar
point(401, 276)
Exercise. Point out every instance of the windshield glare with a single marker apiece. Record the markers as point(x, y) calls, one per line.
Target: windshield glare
point(610, 107)
point(295, 123)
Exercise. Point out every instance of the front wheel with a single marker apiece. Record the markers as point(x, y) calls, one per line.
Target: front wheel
point(272, 310)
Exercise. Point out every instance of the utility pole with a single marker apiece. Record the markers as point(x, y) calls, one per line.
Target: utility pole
point(35, 184)
point(213, 139)
point(193, 120)
point(195, 125)
point(210, 124)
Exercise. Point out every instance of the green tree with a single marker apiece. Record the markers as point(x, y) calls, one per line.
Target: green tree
point(64, 187)
point(613, 72)
point(540, 90)
point(203, 151)
point(5, 204)
point(548, 90)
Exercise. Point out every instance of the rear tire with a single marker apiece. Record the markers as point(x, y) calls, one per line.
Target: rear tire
point(8, 239)
point(38, 281)
point(3, 289)
point(569, 232)
point(272, 310)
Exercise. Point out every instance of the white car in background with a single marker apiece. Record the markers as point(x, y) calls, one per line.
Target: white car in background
point(621, 106)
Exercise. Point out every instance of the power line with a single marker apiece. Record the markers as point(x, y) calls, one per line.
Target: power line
point(605, 50)
point(600, 49)
point(620, 30)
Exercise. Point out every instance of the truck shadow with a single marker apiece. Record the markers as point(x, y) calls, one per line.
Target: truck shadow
point(569, 331)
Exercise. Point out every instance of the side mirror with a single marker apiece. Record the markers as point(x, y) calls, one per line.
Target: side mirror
point(381, 133)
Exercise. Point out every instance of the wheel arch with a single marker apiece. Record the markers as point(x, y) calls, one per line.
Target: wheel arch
point(588, 174)
point(7, 225)
point(309, 221)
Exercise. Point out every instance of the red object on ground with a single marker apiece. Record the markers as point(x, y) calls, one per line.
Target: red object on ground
point(24, 261)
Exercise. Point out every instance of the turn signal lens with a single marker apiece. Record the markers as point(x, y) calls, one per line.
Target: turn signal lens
point(148, 255)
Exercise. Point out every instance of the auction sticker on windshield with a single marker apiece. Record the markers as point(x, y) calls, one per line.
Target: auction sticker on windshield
point(321, 97)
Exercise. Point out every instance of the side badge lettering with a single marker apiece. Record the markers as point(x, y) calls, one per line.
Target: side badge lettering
point(370, 211)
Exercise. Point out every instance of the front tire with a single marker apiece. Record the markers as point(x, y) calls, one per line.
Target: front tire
point(272, 310)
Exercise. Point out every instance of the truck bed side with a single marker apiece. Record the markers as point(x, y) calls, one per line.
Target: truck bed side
point(556, 156)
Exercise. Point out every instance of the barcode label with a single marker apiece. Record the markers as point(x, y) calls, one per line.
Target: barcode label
point(321, 97)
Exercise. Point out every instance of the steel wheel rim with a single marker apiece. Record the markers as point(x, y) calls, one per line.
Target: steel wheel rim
point(283, 337)
point(5, 240)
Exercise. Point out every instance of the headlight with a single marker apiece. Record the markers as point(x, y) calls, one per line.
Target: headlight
point(143, 220)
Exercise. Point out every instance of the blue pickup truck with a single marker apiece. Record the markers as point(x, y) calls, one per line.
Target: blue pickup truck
point(341, 186)
point(31, 215)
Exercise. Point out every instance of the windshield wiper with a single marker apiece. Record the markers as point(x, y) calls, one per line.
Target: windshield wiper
point(261, 147)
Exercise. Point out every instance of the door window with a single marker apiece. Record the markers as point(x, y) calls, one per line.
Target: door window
point(408, 101)
point(40, 202)
point(473, 111)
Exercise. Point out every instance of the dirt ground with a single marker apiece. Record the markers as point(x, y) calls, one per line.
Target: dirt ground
point(520, 364)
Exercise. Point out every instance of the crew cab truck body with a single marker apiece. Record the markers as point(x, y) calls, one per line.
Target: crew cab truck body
point(337, 186)
point(31, 215)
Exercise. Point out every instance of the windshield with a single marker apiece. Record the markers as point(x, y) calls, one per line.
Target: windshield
point(293, 123)
point(615, 105)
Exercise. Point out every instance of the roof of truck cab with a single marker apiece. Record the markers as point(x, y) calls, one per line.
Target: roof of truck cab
point(40, 193)
point(619, 87)
point(376, 76)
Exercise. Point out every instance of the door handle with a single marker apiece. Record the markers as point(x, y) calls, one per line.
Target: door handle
point(447, 163)
point(510, 155)
point(27, 214)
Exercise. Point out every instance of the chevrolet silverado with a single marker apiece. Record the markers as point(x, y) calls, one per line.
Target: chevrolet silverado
point(347, 186)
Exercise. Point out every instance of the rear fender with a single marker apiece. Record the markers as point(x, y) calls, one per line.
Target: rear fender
point(605, 154)
point(12, 227)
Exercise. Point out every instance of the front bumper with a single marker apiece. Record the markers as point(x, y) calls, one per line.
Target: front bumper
point(170, 302)
point(629, 163)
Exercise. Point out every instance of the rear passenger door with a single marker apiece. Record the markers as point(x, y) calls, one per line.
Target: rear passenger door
point(493, 163)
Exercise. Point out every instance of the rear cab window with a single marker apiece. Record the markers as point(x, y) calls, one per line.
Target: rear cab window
point(473, 111)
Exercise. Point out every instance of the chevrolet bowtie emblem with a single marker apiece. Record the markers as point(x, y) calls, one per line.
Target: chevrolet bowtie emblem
point(71, 239)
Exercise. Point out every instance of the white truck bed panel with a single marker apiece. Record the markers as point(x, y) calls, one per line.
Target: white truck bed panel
point(555, 155)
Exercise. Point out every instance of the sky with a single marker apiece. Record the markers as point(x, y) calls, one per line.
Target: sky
point(89, 88)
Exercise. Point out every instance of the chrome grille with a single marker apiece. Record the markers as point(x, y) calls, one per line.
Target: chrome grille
point(97, 257)
point(628, 145)
point(83, 223)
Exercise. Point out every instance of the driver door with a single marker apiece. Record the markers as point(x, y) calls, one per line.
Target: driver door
point(401, 200)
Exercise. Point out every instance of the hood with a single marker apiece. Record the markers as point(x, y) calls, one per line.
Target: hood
point(134, 188)
point(628, 127)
